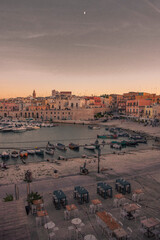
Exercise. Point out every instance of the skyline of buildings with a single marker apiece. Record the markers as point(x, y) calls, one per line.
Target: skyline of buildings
point(65, 106)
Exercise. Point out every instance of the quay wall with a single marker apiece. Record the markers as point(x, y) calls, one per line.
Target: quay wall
point(73, 114)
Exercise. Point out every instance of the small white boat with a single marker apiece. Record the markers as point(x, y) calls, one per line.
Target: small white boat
point(29, 128)
point(19, 129)
point(5, 155)
point(50, 146)
point(15, 154)
point(61, 146)
point(116, 146)
point(31, 152)
point(35, 127)
point(49, 151)
point(89, 147)
point(7, 129)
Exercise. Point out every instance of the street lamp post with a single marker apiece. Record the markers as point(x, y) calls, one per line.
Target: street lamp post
point(99, 154)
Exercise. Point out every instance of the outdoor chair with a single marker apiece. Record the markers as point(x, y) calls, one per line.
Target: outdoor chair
point(136, 214)
point(115, 203)
point(98, 189)
point(38, 221)
point(142, 218)
point(75, 194)
point(143, 230)
point(129, 232)
point(66, 215)
point(34, 209)
point(141, 196)
point(123, 214)
point(75, 213)
point(78, 233)
point(122, 201)
point(52, 236)
point(91, 208)
point(71, 232)
point(45, 219)
point(134, 197)
point(99, 207)
point(156, 232)
point(120, 223)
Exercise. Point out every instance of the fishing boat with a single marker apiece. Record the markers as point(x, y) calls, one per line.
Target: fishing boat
point(5, 155)
point(61, 146)
point(31, 152)
point(107, 136)
point(7, 129)
point(49, 151)
point(89, 147)
point(39, 152)
point(136, 137)
point(19, 129)
point(29, 128)
point(50, 146)
point(94, 127)
point(116, 146)
point(74, 146)
point(23, 154)
point(15, 154)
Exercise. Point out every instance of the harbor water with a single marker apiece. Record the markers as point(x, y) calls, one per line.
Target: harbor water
point(63, 133)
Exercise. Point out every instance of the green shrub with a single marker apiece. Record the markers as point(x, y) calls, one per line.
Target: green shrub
point(33, 196)
point(8, 198)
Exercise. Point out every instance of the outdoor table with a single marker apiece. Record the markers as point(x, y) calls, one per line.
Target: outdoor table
point(123, 186)
point(120, 234)
point(108, 220)
point(130, 208)
point(49, 225)
point(149, 224)
point(106, 189)
point(83, 194)
point(76, 221)
point(90, 237)
point(42, 213)
point(60, 197)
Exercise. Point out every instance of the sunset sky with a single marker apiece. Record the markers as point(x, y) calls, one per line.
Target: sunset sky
point(86, 46)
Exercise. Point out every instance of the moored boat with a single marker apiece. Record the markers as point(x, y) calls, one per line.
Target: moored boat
point(50, 146)
point(89, 147)
point(74, 146)
point(15, 154)
point(61, 146)
point(19, 129)
point(116, 146)
point(107, 136)
point(23, 154)
point(94, 127)
point(49, 151)
point(5, 155)
point(39, 152)
point(31, 152)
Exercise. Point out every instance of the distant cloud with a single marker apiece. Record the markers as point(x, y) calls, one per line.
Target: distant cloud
point(153, 6)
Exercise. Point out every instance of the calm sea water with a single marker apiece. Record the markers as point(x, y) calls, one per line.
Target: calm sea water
point(79, 134)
